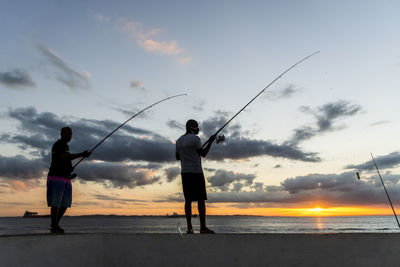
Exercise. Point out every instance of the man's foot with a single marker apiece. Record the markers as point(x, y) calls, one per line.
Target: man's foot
point(190, 230)
point(206, 231)
point(56, 230)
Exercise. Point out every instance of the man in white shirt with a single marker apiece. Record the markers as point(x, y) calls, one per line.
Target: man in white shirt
point(188, 151)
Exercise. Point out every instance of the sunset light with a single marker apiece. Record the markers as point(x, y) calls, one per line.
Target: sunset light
point(298, 124)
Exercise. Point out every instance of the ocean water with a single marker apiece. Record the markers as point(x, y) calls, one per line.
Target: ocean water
point(220, 224)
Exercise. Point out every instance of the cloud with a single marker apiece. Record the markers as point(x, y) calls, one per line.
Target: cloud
point(118, 174)
point(287, 92)
point(331, 112)
point(244, 148)
point(145, 38)
point(38, 131)
point(167, 48)
point(327, 190)
point(116, 199)
point(137, 84)
point(184, 60)
point(175, 125)
point(172, 173)
point(16, 79)
point(239, 146)
point(326, 116)
point(199, 106)
point(21, 173)
point(222, 179)
point(389, 161)
point(101, 18)
point(379, 123)
point(21, 168)
point(64, 73)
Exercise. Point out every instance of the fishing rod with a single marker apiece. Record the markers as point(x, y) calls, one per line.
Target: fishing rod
point(116, 129)
point(221, 138)
point(387, 194)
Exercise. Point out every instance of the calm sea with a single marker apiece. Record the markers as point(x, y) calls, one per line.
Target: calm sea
point(220, 224)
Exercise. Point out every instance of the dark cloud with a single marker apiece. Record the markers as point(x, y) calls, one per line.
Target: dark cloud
point(176, 125)
point(16, 79)
point(326, 116)
point(239, 146)
point(64, 73)
point(116, 199)
point(287, 92)
point(40, 130)
point(118, 174)
point(244, 148)
point(328, 190)
point(172, 173)
point(330, 112)
point(391, 160)
point(222, 179)
point(301, 134)
point(21, 168)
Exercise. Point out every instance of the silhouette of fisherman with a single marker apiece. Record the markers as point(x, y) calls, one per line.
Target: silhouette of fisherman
point(59, 188)
point(188, 151)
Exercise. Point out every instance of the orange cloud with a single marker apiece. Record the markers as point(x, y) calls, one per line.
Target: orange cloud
point(145, 40)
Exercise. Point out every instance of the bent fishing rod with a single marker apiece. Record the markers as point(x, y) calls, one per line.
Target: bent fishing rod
point(222, 138)
point(116, 129)
point(384, 187)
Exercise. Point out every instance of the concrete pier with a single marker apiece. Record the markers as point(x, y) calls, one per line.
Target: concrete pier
point(201, 250)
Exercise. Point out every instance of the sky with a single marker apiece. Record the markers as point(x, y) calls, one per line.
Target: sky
point(294, 151)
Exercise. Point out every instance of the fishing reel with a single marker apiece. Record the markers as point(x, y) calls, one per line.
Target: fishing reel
point(73, 176)
point(220, 139)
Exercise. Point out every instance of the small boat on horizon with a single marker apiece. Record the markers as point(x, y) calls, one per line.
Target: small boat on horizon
point(29, 214)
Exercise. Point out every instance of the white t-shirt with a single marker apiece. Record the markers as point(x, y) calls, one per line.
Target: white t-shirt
point(186, 147)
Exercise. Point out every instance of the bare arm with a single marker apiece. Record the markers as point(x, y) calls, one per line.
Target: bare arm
point(204, 151)
point(70, 156)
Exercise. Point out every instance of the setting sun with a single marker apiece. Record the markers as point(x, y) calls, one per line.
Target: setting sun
point(317, 209)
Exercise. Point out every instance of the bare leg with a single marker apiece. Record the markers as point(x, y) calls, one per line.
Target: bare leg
point(61, 212)
point(201, 205)
point(188, 213)
point(56, 214)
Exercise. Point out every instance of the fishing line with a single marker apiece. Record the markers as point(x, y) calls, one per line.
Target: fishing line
point(387, 194)
point(222, 138)
point(73, 175)
point(116, 129)
point(191, 238)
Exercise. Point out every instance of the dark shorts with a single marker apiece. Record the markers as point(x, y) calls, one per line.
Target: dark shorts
point(194, 186)
point(59, 192)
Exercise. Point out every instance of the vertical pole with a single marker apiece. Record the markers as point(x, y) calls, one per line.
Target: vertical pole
point(384, 187)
